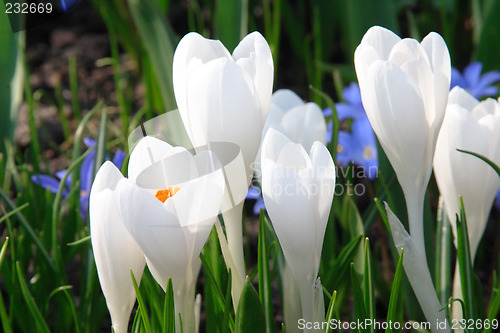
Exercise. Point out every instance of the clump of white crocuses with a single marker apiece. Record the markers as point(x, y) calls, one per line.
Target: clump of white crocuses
point(298, 191)
point(472, 126)
point(225, 98)
point(404, 88)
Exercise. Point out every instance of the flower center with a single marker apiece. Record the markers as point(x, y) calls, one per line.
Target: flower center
point(163, 195)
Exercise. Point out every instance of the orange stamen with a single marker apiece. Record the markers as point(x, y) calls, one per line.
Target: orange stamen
point(163, 195)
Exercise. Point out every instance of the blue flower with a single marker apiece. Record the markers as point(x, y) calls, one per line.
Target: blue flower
point(86, 172)
point(476, 84)
point(359, 145)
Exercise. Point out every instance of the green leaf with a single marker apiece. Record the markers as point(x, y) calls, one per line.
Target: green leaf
point(250, 314)
point(30, 301)
point(357, 295)
point(443, 254)
point(169, 309)
point(490, 31)
point(396, 285)
point(368, 290)
point(4, 318)
point(465, 264)
point(142, 305)
point(11, 76)
point(485, 159)
point(264, 274)
point(159, 41)
point(330, 313)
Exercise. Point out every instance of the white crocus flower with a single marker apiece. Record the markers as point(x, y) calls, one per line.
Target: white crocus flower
point(404, 88)
point(298, 191)
point(115, 251)
point(302, 123)
point(169, 208)
point(225, 98)
point(473, 126)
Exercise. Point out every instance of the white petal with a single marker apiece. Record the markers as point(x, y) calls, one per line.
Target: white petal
point(407, 50)
point(286, 99)
point(381, 39)
point(287, 201)
point(146, 152)
point(115, 251)
point(460, 96)
point(175, 167)
point(192, 48)
point(222, 98)
point(305, 124)
point(396, 111)
point(254, 56)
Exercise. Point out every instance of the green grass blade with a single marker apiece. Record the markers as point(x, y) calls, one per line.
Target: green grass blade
point(142, 305)
point(12, 212)
point(4, 318)
point(485, 159)
point(357, 294)
point(227, 319)
point(159, 41)
point(11, 76)
point(465, 263)
point(264, 274)
point(396, 286)
point(169, 309)
point(330, 312)
point(30, 301)
point(368, 287)
point(443, 255)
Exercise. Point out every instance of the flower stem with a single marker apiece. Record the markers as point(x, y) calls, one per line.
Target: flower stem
point(233, 221)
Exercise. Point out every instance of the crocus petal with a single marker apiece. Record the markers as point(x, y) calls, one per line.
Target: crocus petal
point(254, 56)
point(305, 124)
point(192, 51)
point(286, 99)
point(236, 119)
point(115, 251)
point(145, 153)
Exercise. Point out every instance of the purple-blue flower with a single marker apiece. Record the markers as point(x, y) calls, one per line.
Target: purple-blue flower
point(359, 145)
point(476, 84)
point(86, 172)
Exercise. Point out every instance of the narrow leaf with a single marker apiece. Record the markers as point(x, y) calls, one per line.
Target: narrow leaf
point(396, 285)
point(250, 315)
